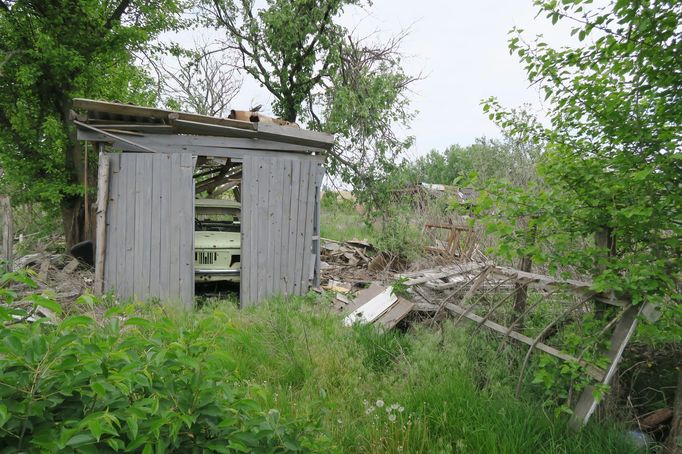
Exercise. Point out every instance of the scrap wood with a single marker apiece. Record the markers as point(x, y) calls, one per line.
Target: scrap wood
point(336, 286)
point(395, 314)
point(656, 418)
point(591, 370)
point(372, 309)
point(433, 275)
point(376, 304)
point(547, 282)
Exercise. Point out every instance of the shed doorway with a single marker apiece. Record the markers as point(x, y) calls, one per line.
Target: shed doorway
point(273, 202)
point(217, 228)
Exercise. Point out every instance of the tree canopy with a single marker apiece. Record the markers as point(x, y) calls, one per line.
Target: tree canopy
point(321, 75)
point(53, 51)
point(612, 163)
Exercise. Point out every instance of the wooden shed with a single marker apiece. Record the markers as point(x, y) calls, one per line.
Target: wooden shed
point(146, 191)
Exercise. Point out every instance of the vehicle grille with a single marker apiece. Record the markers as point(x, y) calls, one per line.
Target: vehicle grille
point(205, 257)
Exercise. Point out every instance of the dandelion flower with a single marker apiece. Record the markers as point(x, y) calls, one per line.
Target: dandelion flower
point(369, 410)
point(401, 409)
point(391, 417)
point(380, 403)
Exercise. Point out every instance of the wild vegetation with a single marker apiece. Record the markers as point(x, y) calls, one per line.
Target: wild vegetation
point(594, 193)
point(286, 376)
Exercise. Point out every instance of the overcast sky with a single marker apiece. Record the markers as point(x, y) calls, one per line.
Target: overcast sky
point(461, 48)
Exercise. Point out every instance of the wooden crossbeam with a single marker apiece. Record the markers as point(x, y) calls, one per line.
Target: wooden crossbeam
point(592, 371)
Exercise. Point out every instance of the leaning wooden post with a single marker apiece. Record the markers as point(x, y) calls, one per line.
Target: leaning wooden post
point(101, 232)
point(7, 233)
point(625, 328)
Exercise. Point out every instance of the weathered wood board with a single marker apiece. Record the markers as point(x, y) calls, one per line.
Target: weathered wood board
point(279, 199)
point(149, 250)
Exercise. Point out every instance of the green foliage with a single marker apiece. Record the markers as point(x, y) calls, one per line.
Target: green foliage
point(381, 351)
point(51, 53)
point(320, 74)
point(508, 159)
point(133, 384)
point(399, 235)
point(612, 162)
point(286, 375)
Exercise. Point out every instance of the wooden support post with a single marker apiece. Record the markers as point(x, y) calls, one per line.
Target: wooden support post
point(625, 328)
point(521, 291)
point(101, 232)
point(7, 233)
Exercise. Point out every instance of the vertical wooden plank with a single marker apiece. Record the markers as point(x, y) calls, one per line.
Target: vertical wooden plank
point(245, 234)
point(164, 181)
point(316, 226)
point(275, 227)
point(302, 251)
point(138, 237)
point(101, 227)
point(307, 248)
point(292, 227)
point(155, 227)
point(284, 228)
point(625, 328)
point(173, 222)
point(186, 229)
point(262, 224)
point(146, 211)
point(114, 219)
point(126, 280)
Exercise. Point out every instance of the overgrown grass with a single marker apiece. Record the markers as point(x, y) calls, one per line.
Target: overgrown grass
point(283, 376)
point(341, 222)
point(348, 380)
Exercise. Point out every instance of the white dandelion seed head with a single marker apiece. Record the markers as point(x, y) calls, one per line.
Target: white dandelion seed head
point(401, 409)
point(391, 417)
point(380, 403)
point(369, 410)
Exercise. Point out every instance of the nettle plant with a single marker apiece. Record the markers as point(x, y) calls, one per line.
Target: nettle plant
point(128, 384)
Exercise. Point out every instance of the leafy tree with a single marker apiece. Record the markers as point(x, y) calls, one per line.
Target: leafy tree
point(612, 164)
point(53, 51)
point(612, 167)
point(320, 75)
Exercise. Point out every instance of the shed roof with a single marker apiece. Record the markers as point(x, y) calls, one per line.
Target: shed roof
point(138, 120)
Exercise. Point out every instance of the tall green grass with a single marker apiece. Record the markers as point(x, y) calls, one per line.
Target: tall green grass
point(371, 392)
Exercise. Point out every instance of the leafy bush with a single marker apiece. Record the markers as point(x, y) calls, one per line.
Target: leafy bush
point(131, 384)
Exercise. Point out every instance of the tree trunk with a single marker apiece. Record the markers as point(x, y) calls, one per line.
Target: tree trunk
point(521, 296)
point(674, 442)
point(604, 240)
point(73, 207)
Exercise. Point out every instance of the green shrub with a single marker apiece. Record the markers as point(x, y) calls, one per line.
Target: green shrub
point(132, 384)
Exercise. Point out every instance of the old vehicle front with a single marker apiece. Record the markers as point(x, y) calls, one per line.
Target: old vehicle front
point(217, 243)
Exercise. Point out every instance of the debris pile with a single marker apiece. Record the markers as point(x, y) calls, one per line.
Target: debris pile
point(61, 274)
point(496, 298)
point(346, 264)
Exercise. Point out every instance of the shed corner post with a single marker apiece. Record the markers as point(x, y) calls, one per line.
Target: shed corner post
point(101, 226)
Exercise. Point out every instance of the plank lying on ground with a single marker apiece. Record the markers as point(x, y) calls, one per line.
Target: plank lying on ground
point(546, 282)
point(395, 314)
point(373, 309)
point(592, 371)
point(432, 275)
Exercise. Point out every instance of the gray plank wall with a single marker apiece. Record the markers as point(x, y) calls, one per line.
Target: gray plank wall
point(280, 197)
point(150, 227)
